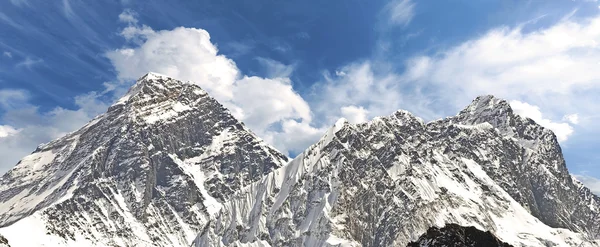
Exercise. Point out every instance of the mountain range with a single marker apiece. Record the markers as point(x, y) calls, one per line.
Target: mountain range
point(168, 165)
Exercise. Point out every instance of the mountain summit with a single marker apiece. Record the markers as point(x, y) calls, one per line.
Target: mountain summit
point(386, 182)
point(150, 171)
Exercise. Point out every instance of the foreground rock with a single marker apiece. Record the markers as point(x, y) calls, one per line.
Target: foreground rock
point(453, 235)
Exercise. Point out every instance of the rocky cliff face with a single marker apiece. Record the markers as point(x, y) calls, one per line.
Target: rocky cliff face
point(386, 182)
point(453, 235)
point(149, 172)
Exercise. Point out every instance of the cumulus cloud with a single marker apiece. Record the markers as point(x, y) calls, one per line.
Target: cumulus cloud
point(128, 17)
point(269, 106)
point(183, 53)
point(6, 130)
point(561, 130)
point(372, 88)
point(266, 101)
point(354, 114)
point(572, 118)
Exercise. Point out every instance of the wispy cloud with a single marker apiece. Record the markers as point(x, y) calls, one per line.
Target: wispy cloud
point(274, 68)
point(29, 63)
point(7, 20)
point(239, 48)
point(20, 2)
point(12, 98)
point(7, 54)
point(67, 10)
point(401, 12)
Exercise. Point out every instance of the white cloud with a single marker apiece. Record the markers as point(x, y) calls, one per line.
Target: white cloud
point(401, 12)
point(373, 87)
point(355, 114)
point(128, 17)
point(6, 130)
point(269, 106)
point(572, 118)
point(590, 182)
point(294, 137)
point(267, 101)
point(561, 130)
point(184, 53)
point(25, 127)
point(555, 68)
point(7, 54)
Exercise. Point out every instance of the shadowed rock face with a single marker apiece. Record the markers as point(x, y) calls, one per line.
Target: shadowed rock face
point(386, 182)
point(150, 171)
point(453, 235)
point(4, 242)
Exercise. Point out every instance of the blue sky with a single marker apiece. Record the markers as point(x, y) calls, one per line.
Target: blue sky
point(289, 69)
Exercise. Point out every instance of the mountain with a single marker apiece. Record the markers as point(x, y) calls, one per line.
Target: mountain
point(149, 172)
point(453, 235)
point(386, 182)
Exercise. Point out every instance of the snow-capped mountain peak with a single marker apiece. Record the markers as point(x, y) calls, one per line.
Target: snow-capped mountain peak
point(149, 172)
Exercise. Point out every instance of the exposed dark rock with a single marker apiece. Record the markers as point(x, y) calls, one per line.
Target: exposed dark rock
point(453, 235)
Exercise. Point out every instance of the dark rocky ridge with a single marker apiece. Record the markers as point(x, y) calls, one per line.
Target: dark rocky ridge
point(453, 235)
point(4, 242)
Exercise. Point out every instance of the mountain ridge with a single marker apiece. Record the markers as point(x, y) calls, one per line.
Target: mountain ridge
point(412, 175)
point(167, 165)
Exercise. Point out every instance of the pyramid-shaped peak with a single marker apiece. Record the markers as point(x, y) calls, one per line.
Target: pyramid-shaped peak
point(486, 103)
point(154, 76)
point(155, 80)
point(153, 85)
point(487, 108)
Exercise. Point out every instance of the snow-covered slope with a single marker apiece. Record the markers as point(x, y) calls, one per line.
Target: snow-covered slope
point(149, 172)
point(385, 182)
